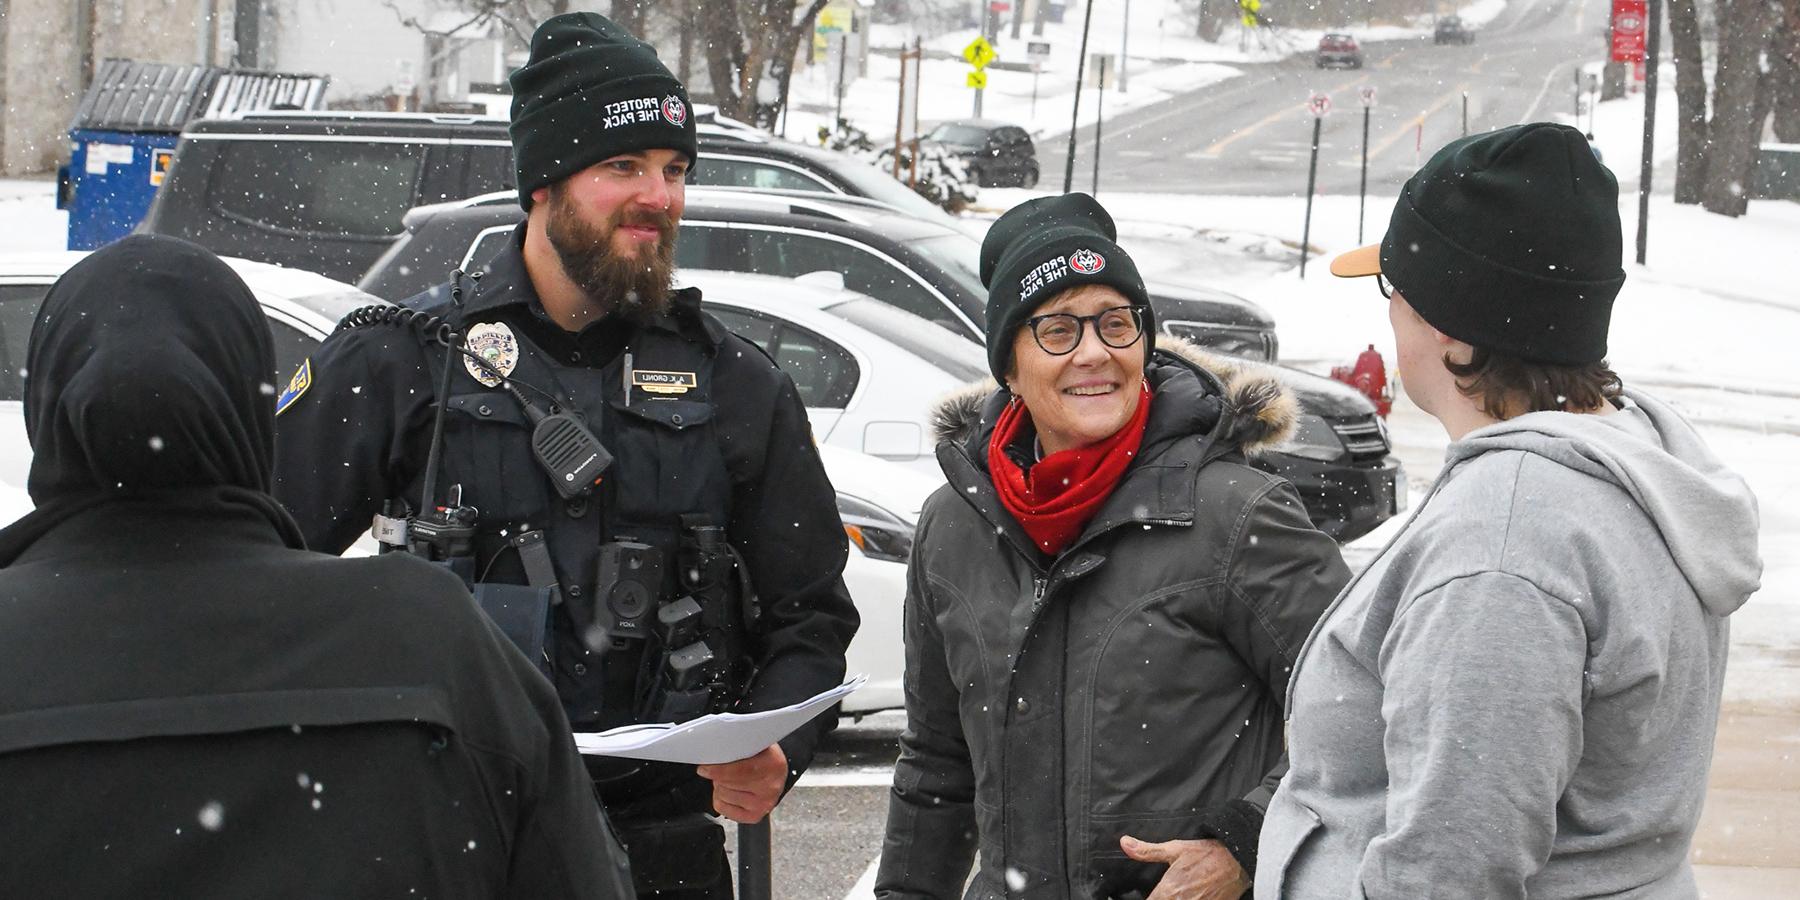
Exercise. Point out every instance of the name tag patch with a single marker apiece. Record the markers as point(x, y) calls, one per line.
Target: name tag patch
point(667, 383)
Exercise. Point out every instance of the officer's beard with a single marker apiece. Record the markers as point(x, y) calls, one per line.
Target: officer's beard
point(634, 288)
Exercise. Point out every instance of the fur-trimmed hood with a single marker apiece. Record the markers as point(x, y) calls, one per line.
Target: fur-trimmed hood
point(1262, 413)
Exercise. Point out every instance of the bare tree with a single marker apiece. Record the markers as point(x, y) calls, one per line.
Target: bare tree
point(749, 40)
point(1740, 104)
point(1784, 75)
point(1690, 100)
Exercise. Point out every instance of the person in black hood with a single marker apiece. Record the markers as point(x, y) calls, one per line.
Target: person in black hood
point(191, 704)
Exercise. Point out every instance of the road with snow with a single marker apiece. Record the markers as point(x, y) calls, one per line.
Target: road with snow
point(1252, 134)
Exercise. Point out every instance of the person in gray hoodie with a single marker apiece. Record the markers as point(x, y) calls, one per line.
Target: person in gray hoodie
point(1518, 697)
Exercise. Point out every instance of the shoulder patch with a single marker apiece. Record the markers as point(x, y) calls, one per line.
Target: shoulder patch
point(296, 386)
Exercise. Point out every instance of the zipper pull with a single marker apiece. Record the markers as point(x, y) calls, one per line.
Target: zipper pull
point(1038, 584)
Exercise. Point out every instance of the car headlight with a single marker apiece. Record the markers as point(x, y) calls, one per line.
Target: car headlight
point(1314, 438)
point(879, 534)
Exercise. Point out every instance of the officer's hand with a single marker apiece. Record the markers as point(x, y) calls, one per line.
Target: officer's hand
point(1198, 870)
point(747, 790)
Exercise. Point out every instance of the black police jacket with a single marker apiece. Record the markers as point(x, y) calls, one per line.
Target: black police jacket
point(730, 443)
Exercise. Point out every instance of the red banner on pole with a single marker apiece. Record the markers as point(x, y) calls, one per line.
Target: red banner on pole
point(1628, 30)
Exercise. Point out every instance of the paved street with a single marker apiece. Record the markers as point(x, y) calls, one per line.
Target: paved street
point(1251, 134)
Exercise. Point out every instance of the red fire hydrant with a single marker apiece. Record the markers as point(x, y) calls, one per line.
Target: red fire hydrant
point(1369, 377)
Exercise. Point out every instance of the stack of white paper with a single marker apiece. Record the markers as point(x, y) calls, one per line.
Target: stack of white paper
point(715, 739)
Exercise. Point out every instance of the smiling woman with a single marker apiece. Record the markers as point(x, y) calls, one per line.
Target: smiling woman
point(1101, 529)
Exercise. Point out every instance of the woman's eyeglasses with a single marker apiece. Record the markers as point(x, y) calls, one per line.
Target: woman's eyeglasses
point(1060, 333)
point(1385, 286)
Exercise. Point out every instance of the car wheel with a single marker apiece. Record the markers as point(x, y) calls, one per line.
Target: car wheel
point(1029, 177)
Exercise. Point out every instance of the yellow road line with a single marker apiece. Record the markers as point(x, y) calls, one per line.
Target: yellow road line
point(1285, 113)
point(1407, 129)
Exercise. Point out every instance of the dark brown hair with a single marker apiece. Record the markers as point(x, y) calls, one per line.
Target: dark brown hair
point(1507, 386)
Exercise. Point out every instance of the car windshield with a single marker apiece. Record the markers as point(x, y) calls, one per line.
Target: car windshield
point(881, 187)
point(966, 135)
point(958, 256)
point(963, 360)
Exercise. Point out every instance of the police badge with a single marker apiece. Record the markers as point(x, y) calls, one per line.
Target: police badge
point(496, 345)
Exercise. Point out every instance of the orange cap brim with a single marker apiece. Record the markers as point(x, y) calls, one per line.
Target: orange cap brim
point(1358, 263)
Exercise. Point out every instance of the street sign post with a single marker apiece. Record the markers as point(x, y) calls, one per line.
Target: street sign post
point(1318, 105)
point(1087, 21)
point(979, 53)
point(1102, 62)
point(1362, 187)
point(1037, 52)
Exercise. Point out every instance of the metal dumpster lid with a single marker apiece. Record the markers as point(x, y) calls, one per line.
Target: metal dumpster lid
point(127, 95)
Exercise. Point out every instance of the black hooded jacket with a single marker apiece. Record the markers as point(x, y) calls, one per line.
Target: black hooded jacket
point(192, 705)
point(1132, 685)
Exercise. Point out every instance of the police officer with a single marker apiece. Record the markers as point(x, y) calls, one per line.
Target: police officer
point(702, 570)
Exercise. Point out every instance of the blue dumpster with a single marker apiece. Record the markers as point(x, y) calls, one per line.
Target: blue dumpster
point(122, 140)
point(111, 178)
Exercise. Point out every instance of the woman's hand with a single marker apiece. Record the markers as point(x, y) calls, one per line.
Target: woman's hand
point(1198, 870)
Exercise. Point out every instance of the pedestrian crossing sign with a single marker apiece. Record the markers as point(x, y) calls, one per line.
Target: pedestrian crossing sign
point(979, 53)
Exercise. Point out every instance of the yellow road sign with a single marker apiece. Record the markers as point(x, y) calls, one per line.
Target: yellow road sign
point(977, 79)
point(979, 53)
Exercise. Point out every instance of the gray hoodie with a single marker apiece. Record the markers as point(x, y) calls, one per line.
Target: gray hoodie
point(1518, 697)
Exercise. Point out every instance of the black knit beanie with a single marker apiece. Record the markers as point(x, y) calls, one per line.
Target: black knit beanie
point(1510, 241)
point(1043, 247)
point(589, 92)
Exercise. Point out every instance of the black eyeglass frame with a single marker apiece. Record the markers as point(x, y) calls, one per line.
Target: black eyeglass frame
point(1081, 322)
point(1385, 286)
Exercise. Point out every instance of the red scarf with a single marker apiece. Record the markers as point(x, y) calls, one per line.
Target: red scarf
point(1060, 494)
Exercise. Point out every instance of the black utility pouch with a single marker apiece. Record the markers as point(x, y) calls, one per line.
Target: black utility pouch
point(523, 614)
point(683, 853)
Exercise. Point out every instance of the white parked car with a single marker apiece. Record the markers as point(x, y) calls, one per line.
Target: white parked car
point(879, 501)
point(869, 372)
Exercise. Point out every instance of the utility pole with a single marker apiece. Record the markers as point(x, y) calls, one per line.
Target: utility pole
point(1652, 48)
point(1124, 49)
point(1087, 20)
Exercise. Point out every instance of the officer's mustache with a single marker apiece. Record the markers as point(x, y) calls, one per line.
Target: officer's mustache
point(657, 219)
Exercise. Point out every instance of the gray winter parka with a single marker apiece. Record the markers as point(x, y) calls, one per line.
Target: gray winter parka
point(1133, 684)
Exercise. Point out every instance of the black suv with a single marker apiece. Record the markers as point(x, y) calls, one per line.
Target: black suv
point(1452, 30)
point(323, 192)
point(997, 154)
point(1339, 459)
point(326, 191)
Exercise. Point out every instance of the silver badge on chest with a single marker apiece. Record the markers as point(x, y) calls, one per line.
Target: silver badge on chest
point(496, 345)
